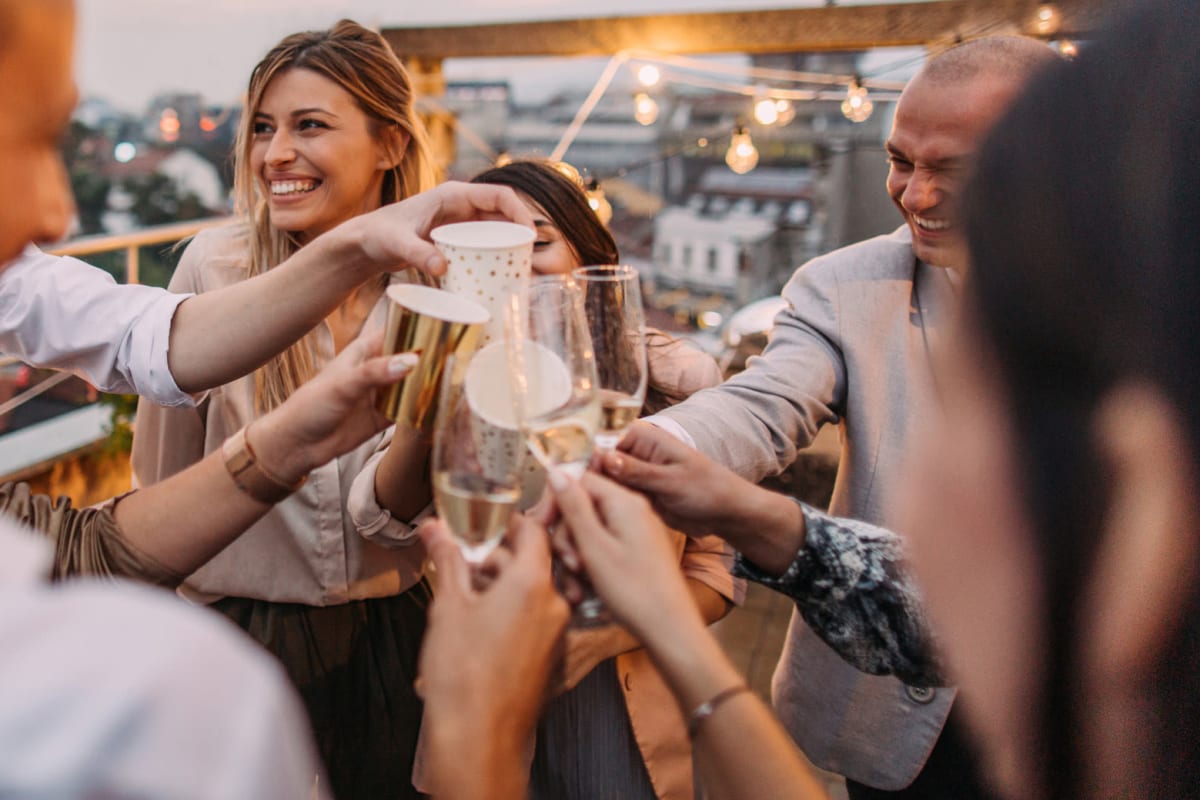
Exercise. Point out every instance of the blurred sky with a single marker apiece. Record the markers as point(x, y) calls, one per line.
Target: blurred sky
point(129, 50)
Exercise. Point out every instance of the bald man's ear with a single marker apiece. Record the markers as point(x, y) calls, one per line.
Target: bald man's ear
point(1146, 563)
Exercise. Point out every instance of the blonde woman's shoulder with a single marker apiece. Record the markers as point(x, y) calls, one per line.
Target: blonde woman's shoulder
point(679, 363)
point(214, 257)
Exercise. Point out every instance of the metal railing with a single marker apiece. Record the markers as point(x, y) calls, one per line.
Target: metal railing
point(85, 246)
point(132, 242)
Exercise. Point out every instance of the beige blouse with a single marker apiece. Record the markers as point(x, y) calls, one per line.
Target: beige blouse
point(307, 549)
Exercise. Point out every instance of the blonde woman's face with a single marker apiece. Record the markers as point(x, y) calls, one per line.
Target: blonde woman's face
point(552, 254)
point(314, 154)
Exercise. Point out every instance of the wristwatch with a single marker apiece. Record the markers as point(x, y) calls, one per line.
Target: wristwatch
point(250, 476)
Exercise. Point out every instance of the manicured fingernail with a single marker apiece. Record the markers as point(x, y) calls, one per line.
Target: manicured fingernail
point(570, 561)
point(616, 463)
point(558, 478)
point(434, 263)
point(402, 363)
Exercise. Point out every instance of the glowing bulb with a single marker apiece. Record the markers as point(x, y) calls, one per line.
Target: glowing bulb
point(645, 109)
point(648, 75)
point(765, 112)
point(599, 203)
point(503, 160)
point(857, 106)
point(1068, 48)
point(785, 110)
point(1047, 19)
point(742, 155)
point(125, 152)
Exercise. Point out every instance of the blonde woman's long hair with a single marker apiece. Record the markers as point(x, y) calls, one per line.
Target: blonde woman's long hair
point(359, 61)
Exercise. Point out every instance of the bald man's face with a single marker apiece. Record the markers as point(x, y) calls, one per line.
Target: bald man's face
point(938, 129)
point(37, 96)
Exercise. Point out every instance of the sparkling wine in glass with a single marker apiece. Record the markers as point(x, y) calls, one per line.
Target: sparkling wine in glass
point(612, 299)
point(478, 457)
point(560, 419)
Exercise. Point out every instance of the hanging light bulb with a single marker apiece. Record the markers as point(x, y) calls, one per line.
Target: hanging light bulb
point(765, 111)
point(1068, 48)
point(504, 159)
point(648, 75)
point(1047, 19)
point(598, 202)
point(857, 106)
point(786, 111)
point(645, 109)
point(742, 155)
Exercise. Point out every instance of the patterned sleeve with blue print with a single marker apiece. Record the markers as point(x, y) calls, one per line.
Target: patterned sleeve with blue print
point(852, 586)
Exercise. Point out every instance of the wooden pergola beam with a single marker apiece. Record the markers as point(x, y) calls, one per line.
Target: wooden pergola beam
point(776, 30)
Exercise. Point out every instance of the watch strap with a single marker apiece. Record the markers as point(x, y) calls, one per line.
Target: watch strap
point(250, 476)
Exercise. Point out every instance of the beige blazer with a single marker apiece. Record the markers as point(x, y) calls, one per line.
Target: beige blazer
point(851, 349)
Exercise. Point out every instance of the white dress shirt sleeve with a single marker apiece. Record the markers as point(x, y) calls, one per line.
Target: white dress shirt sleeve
point(62, 313)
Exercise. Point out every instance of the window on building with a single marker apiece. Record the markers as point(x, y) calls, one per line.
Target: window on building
point(712, 261)
point(687, 257)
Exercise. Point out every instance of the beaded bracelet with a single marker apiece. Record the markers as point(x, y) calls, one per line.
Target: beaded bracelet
point(709, 707)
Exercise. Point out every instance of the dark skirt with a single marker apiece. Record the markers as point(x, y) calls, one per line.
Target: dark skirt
point(585, 745)
point(354, 665)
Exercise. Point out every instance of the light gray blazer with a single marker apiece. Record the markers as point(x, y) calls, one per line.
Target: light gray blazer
point(851, 349)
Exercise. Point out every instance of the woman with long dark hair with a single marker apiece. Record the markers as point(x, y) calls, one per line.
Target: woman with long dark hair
point(612, 731)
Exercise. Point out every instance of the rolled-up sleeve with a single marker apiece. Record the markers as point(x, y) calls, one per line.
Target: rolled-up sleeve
point(62, 313)
point(372, 521)
point(851, 585)
point(86, 541)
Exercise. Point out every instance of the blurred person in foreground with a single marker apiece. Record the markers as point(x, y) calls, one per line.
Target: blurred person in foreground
point(115, 691)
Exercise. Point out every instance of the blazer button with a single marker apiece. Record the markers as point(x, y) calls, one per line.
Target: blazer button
point(921, 695)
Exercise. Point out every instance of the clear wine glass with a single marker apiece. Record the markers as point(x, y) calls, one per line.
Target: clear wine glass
point(478, 457)
point(560, 397)
point(612, 301)
point(555, 361)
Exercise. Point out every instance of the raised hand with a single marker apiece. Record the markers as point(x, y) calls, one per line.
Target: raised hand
point(397, 235)
point(332, 413)
point(628, 553)
point(486, 661)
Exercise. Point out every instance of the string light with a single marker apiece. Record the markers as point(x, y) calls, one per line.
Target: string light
point(765, 111)
point(645, 108)
point(786, 111)
point(742, 155)
point(1068, 48)
point(598, 202)
point(648, 75)
point(857, 106)
point(1047, 19)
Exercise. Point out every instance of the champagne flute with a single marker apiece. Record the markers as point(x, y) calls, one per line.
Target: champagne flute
point(612, 299)
point(476, 469)
point(560, 398)
point(561, 409)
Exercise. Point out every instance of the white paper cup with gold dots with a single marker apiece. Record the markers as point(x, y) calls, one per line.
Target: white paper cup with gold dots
point(487, 262)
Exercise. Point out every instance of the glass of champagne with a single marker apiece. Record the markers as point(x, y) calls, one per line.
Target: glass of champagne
point(557, 368)
point(612, 299)
point(477, 469)
point(561, 402)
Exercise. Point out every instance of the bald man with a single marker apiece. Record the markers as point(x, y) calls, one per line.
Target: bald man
point(852, 349)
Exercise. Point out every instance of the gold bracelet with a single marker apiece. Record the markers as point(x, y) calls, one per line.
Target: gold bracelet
point(250, 476)
point(709, 707)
